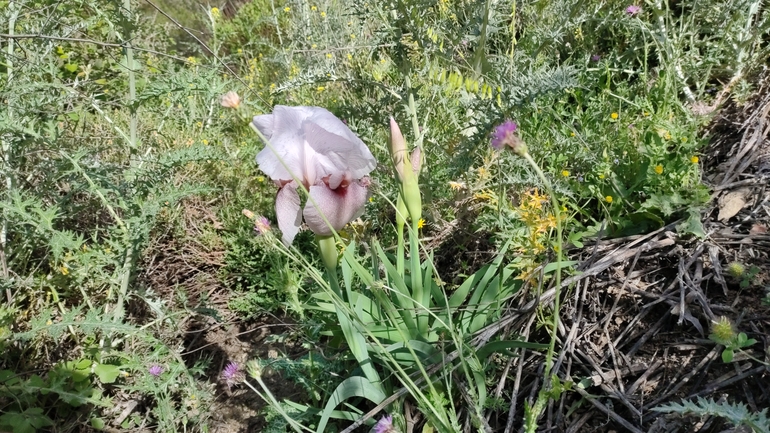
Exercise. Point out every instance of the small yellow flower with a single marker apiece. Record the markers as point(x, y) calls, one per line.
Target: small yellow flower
point(420, 223)
point(684, 139)
point(645, 113)
point(371, 199)
point(215, 12)
point(608, 199)
point(601, 176)
point(323, 14)
point(350, 56)
point(667, 136)
point(286, 9)
point(206, 142)
point(694, 159)
point(352, 36)
point(456, 186)
point(659, 169)
point(240, 51)
point(328, 55)
point(260, 179)
point(320, 89)
point(565, 173)
point(314, 46)
point(64, 270)
point(614, 116)
point(49, 322)
point(313, 8)
point(572, 134)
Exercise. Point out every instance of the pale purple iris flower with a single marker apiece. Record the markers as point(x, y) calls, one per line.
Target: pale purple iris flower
point(321, 152)
point(633, 10)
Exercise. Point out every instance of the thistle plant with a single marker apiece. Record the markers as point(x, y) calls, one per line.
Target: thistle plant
point(506, 136)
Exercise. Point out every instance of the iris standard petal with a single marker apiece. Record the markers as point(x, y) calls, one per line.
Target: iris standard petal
point(288, 212)
point(265, 124)
point(340, 206)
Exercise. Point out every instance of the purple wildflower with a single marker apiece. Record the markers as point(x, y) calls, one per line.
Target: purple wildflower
point(261, 225)
point(633, 10)
point(505, 135)
point(596, 58)
point(384, 425)
point(232, 374)
point(155, 370)
point(502, 133)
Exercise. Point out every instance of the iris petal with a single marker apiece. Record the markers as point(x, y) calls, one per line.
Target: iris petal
point(339, 205)
point(287, 211)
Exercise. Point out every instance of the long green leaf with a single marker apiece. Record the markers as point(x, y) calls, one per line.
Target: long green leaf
point(355, 386)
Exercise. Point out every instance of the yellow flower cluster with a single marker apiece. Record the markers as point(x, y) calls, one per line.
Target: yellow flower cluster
point(540, 221)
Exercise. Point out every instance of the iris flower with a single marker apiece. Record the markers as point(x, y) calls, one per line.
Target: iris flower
point(311, 146)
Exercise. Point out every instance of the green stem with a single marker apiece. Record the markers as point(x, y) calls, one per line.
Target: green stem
point(559, 254)
point(268, 397)
point(6, 143)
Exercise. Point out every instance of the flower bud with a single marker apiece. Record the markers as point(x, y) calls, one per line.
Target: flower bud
point(231, 100)
point(407, 171)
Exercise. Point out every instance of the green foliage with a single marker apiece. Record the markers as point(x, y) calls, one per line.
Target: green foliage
point(737, 414)
point(114, 143)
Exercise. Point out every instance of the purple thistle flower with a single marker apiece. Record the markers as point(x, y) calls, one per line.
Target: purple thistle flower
point(261, 225)
point(502, 133)
point(155, 370)
point(384, 425)
point(505, 135)
point(633, 10)
point(596, 58)
point(232, 374)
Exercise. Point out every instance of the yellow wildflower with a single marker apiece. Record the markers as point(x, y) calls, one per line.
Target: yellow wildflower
point(694, 159)
point(323, 14)
point(659, 169)
point(321, 88)
point(614, 116)
point(313, 8)
point(286, 9)
point(420, 223)
point(456, 186)
point(608, 199)
point(328, 55)
point(352, 36)
point(206, 142)
point(215, 12)
point(64, 270)
point(565, 173)
point(350, 56)
point(260, 179)
point(572, 134)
